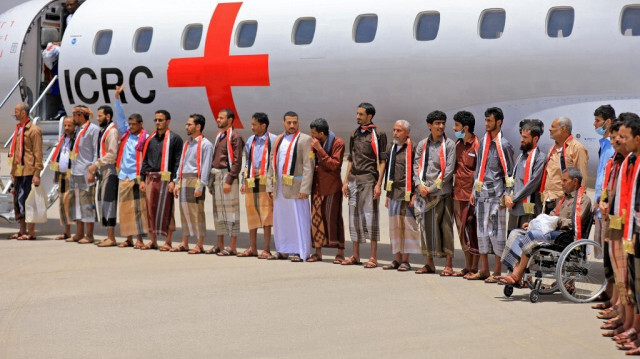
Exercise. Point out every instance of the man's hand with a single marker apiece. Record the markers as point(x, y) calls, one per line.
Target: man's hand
point(303, 196)
point(36, 181)
point(197, 193)
point(91, 177)
point(424, 190)
point(411, 203)
point(242, 189)
point(472, 200)
point(376, 191)
point(176, 191)
point(604, 208)
point(525, 226)
point(142, 185)
point(315, 144)
point(386, 203)
point(508, 202)
point(226, 188)
point(345, 190)
point(172, 187)
point(270, 194)
point(119, 90)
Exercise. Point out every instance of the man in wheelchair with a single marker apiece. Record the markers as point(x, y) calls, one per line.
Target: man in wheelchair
point(571, 214)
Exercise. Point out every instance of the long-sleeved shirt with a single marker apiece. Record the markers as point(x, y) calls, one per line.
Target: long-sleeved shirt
point(466, 156)
point(326, 177)
point(575, 156)
point(522, 191)
point(152, 161)
point(221, 156)
point(364, 168)
point(190, 165)
point(32, 156)
point(111, 145)
point(399, 185)
point(433, 165)
point(606, 151)
point(63, 155)
point(494, 183)
point(256, 160)
point(87, 150)
point(128, 161)
point(566, 210)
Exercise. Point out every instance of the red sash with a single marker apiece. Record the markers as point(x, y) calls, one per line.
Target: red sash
point(13, 142)
point(76, 145)
point(562, 157)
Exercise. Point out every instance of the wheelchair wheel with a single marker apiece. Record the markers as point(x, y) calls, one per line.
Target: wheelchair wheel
point(534, 296)
point(542, 262)
point(508, 290)
point(580, 272)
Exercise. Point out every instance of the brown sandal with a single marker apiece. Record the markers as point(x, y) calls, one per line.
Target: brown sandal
point(315, 258)
point(62, 237)
point(149, 246)
point(196, 250)
point(462, 273)
point(426, 269)
point(372, 263)
point(447, 272)
point(165, 248)
point(180, 248)
point(478, 276)
point(264, 255)
point(16, 235)
point(351, 261)
point(338, 260)
point(125, 244)
point(247, 253)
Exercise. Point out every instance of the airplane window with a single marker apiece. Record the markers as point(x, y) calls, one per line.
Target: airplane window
point(427, 25)
point(492, 23)
point(143, 39)
point(560, 22)
point(246, 33)
point(192, 36)
point(102, 42)
point(365, 28)
point(630, 22)
point(305, 28)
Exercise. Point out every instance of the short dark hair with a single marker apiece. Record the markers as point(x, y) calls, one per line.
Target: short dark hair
point(534, 122)
point(532, 128)
point(496, 112)
point(289, 114)
point(198, 119)
point(436, 116)
point(262, 118)
point(165, 113)
point(229, 112)
point(368, 108)
point(606, 112)
point(574, 173)
point(466, 119)
point(623, 117)
point(320, 125)
point(615, 125)
point(106, 109)
point(632, 121)
point(136, 116)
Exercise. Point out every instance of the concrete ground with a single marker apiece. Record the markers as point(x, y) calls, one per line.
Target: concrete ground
point(65, 300)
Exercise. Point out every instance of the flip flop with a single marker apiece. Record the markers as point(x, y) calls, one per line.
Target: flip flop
point(180, 248)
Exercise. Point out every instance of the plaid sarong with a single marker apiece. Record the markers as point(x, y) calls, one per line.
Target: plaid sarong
point(364, 223)
point(82, 205)
point(491, 226)
point(226, 206)
point(619, 265)
point(403, 228)
point(522, 242)
point(437, 228)
point(133, 209)
point(160, 218)
point(63, 198)
point(327, 227)
point(259, 206)
point(107, 203)
point(192, 208)
point(465, 216)
point(21, 190)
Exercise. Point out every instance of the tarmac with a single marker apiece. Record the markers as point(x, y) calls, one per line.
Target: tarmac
point(66, 300)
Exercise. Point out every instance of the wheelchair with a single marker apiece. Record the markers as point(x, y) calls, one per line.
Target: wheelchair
point(572, 267)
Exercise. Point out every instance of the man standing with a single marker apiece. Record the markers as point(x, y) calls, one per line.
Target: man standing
point(403, 228)
point(105, 165)
point(603, 117)
point(495, 161)
point(327, 226)
point(61, 165)
point(523, 199)
point(362, 183)
point(133, 203)
point(464, 212)
point(83, 153)
point(161, 158)
point(566, 152)
point(193, 175)
point(223, 183)
point(434, 167)
point(25, 157)
point(258, 153)
point(293, 163)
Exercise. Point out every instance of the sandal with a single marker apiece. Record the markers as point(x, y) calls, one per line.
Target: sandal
point(610, 315)
point(138, 245)
point(471, 272)
point(509, 279)
point(315, 258)
point(372, 263)
point(125, 244)
point(74, 238)
point(447, 272)
point(296, 258)
point(426, 269)
point(149, 246)
point(478, 276)
point(277, 256)
point(405, 266)
point(609, 334)
point(227, 252)
point(625, 336)
point(601, 306)
point(62, 236)
point(247, 253)
point(180, 248)
point(351, 261)
point(338, 260)
point(264, 255)
point(492, 279)
point(392, 265)
point(611, 325)
point(462, 273)
point(635, 351)
point(27, 237)
point(16, 235)
point(214, 250)
point(196, 250)
point(165, 248)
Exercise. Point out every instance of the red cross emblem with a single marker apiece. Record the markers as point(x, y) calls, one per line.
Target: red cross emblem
point(217, 71)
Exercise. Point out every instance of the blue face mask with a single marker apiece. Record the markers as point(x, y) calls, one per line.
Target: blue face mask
point(600, 130)
point(459, 134)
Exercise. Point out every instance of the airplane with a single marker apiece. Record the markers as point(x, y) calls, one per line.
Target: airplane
point(532, 58)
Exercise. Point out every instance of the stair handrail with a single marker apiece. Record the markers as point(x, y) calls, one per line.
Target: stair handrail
point(11, 92)
point(46, 90)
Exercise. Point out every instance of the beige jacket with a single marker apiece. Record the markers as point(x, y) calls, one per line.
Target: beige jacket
point(303, 172)
point(32, 152)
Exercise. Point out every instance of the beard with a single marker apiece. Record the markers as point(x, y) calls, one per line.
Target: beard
point(526, 147)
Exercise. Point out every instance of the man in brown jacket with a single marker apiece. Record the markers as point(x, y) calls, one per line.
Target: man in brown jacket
point(327, 227)
point(25, 157)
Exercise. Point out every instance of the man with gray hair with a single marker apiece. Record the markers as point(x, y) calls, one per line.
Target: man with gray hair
point(566, 152)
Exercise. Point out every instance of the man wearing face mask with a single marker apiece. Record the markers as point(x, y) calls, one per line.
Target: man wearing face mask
point(603, 116)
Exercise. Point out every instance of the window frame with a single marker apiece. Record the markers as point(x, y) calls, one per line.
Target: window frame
point(625, 8)
point(417, 23)
point(296, 26)
point(96, 39)
point(136, 38)
point(481, 19)
point(185, 32)
point(239, 29)
point(356, 24)
point(551, 10)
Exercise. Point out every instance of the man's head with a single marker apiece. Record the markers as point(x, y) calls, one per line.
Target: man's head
point(69, 126)
point(195, 125)
point(225, 118)
point(105, 114)
point(571, 179)
point(365, 113)
point(463, 122)
point(72, 5)
point(135, 123)
point(401, 130)
point(81, 114)
point(630, 132)
point(319, 129)
point(162, 120)
point(616, 142)
point(21, 112)
point(529, 136)
point(560, 129)
point(603, 116)
point(436, 121)
point(291, 122)
point(493, 119)
point(259, 123)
